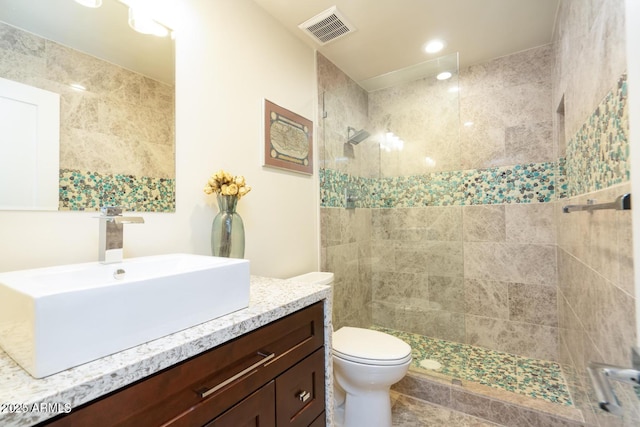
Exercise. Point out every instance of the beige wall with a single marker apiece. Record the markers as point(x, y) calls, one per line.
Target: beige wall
point(230, 56)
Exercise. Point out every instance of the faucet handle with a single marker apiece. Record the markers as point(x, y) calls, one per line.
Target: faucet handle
point(111, 210)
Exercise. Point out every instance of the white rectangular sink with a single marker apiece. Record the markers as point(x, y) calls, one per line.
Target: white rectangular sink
point(52, 319)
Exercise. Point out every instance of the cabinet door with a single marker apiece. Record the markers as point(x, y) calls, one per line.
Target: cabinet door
point(300, 392)
point(257, 410)
point(321, 421)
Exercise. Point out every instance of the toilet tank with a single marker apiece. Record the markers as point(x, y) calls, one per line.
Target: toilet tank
point(315, 277)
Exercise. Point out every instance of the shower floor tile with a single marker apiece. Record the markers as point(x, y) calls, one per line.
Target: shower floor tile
point(540, 379)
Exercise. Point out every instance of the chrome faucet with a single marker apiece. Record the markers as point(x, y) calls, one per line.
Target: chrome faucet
point(111, 233)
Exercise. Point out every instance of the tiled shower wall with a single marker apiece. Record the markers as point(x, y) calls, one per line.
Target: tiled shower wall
point(509, 253)
point(464, 249)
point(481, 271)
point(116, 137)
point(596, 299)
point(345, 234)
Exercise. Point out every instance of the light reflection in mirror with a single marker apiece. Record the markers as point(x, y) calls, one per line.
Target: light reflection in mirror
point(117, 121)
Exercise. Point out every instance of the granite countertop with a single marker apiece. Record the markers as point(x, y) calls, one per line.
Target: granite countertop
point(26, 401)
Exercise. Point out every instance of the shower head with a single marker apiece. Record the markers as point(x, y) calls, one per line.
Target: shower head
point(357, 137)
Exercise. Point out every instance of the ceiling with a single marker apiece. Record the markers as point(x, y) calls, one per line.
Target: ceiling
point(391, 34)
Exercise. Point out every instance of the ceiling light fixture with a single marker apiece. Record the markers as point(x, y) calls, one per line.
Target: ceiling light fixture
point(444, 75)
point(141, 21)
point(434, 46)
point(90, 3)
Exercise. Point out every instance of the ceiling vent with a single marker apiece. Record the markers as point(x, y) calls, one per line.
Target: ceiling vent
point(327, 26)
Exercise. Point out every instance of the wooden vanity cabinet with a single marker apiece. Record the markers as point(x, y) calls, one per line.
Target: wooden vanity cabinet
point(255, 410)
point(272, 376)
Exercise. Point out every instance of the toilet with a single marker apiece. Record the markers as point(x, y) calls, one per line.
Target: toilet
point(365, 365)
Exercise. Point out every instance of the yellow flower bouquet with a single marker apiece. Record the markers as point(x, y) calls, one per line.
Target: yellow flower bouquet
point(225, 184)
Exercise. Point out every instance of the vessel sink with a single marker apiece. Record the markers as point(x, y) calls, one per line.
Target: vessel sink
point(55, 318)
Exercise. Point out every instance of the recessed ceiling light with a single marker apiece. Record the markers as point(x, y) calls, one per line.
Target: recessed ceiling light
point(468, 124)
point(434, 46)
point(444, 75)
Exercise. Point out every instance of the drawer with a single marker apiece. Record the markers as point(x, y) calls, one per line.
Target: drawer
point(256, 410)
point(199, 389)
point(300, 392)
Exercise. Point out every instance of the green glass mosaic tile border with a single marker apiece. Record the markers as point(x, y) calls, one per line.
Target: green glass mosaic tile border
point(535, 378)
point(561, 178)
point(598, 155)
point(526, 183)
point(88, 191)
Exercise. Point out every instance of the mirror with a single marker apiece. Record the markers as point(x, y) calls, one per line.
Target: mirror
point(116, 90)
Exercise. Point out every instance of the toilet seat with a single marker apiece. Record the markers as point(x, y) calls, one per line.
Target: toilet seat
point(370, 347)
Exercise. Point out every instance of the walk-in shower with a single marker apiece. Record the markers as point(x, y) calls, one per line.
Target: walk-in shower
point(450, 244)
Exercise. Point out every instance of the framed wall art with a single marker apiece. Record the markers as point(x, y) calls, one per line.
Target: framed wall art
point(288, 139)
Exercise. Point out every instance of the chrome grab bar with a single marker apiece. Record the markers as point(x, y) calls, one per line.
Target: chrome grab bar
point(600, 375)
point(622, 203)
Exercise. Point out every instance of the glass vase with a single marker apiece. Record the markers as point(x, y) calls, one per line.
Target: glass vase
point(227, 231)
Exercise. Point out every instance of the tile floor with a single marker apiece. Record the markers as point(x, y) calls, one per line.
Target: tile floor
point(539, 379)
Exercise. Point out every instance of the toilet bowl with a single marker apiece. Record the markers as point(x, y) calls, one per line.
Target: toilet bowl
point(365, 365)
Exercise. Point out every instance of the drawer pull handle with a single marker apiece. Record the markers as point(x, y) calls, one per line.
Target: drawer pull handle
point(266, 357)
point(303, 396)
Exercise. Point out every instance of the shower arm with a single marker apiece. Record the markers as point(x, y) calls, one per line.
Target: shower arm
point(349, 130)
